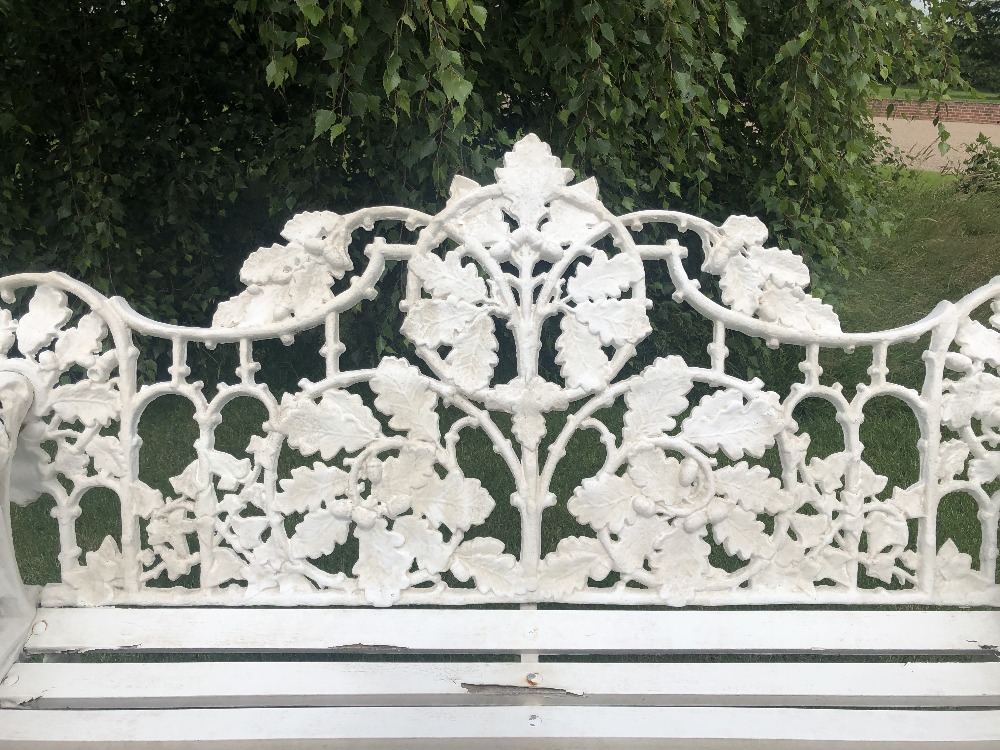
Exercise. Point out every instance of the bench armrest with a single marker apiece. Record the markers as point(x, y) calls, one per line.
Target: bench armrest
point(17, 605)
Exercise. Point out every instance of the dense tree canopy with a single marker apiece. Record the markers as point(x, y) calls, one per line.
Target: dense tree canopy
point(978, 46)
point(149, 144)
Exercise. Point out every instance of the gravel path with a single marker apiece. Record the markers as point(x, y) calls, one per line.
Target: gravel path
point(917, 140)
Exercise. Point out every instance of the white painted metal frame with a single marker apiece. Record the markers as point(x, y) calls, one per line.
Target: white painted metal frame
point(681, 476)
point(519, 253)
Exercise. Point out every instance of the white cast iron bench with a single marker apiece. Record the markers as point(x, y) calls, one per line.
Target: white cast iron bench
point(347, 581)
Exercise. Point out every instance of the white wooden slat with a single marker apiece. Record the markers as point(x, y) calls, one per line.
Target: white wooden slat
point(247, 684)
point(521, 727)
point(493, 631)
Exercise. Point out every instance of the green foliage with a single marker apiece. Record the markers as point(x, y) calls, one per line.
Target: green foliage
point(946, 246)
point(978, 45)
point(149, 146)
point(953, 95)
point(981, 169)
point(131, 135)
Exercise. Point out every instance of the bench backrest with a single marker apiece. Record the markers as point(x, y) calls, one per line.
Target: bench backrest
point(357, 487)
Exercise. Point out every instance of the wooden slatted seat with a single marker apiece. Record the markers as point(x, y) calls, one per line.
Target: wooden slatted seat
point(352, 577)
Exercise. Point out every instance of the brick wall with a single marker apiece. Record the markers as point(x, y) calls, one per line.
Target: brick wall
point(985, 113)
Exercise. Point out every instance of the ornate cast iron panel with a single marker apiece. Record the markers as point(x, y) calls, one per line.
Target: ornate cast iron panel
point(696, 465)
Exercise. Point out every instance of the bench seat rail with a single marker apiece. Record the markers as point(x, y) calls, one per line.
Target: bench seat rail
point(398, 678)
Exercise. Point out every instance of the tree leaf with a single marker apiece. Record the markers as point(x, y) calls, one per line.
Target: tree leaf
point(382, 566)
point(971, 397)
point(483, 221)
point(449, 278)
point(433, 322)
point(568, 222)
point(582, 362)
point(308, 488)
point(325, 119)
point(89, 402)
point(248, 529)
point(790, 571)
point(835, 564)
point(225, 565)
point(603, 278)
point(109, 458)
point(567, 570)
point(101, 576)
point(604, 501)
point(910, 502)
point(882, 566)
point(231, 471)
point(456, 87)
point(47, 313)
point(681, 557)
point(529, 177)
point(721, 421)
point(783, 267)
point(884, 530)
point(404, 395)
point(829, 472)
point(456, 502)
point(810, 530)
point(658, 476)
point(339, 422)
point(483, 560)
point(318, 534)
point(738, 233)
point(952, 455)
point(979, 342)
point(656, 397)
point(528, 426)
point(404, 480)
point(80, 344)
point(616, 322)
point(954, 573)
point(985, 469)
point(636, 542)
point(796, 309)
point(424, 543)
point(741, 285)
point(741, 534)
point(753, 488)
point(473, 355)
point(308, 291)
point(146, 500)
point(70, 462)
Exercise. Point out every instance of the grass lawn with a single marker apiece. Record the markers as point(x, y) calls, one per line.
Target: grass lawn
point(945, 245)
point(912, 93)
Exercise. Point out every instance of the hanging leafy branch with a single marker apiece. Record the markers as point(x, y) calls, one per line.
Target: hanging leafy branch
point(149, 146)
